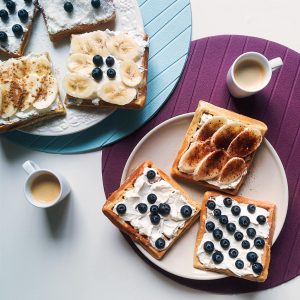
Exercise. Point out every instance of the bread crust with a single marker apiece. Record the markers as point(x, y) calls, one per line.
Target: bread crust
point(131, 231)
point(270, 207)
point(205, 107)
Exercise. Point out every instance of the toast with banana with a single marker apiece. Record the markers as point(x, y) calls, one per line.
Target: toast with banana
point(218, 148)
point(28, 92)
point(235, 236)
point(107, 69)
point(152, 209)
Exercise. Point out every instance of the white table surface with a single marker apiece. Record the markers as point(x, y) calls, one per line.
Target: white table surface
point(71, 251)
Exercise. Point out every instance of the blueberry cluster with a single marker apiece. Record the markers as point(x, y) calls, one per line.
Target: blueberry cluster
point(156, 211)
point(68, 6)
point(244, 222)
point(23, 15)
point(97, 73)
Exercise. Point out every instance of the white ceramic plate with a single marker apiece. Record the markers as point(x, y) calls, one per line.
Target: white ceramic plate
point(266, 180)
point(128, 17)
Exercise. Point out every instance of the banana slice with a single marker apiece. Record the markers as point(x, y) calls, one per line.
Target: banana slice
point(245, 143)
point(79, 44)
point(80, 86)
point(80, 63)
point(124, 47)
point(233, 169)
point(41, 66)
point(96, 41)
point(223, 136)
point(32, 86)
point(193, 156)
point(20, 68)
point(210, 167)
point(116, 93)
point(47, 93)
point(130, 73)
point(12, 94)
point(210, 127)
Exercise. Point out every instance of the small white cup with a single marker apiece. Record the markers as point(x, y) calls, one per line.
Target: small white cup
point(34, 172)
point(269, 66)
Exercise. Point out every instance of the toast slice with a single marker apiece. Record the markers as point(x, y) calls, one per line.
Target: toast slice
point(152, 209)
point(235, 236)
point(218, 148)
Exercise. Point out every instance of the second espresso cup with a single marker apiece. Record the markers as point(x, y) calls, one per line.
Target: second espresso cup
point(259, 68)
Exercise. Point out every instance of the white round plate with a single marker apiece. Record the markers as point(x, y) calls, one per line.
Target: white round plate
point(128, 17)
point(266, 180)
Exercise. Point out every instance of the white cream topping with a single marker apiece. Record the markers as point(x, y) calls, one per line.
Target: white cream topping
point(13, 42)
point(228, 262)
point(166, 193)
point(83, 13)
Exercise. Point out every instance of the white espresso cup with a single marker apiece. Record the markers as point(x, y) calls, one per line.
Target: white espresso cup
point(266, 66)
point(36, 174)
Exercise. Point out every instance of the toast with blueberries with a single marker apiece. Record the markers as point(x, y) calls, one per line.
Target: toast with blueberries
point(235, 236)
point(152, 209)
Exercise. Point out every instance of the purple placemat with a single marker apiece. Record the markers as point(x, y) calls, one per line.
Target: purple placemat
point(278, 105)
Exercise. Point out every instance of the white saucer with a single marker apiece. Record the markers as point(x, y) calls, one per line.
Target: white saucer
point(266, 181)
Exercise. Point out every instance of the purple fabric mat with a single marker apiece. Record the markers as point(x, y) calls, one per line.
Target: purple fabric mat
point(278, 105)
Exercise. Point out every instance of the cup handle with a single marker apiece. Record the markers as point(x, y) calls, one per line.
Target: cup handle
point(275, 63)
point(29, 166)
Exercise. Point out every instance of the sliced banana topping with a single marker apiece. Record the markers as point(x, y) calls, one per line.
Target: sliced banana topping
point(80, 86)
point(80, 63)
point(210, 127)
point(210, 167)
point(41, 66)
point(124, 47)
point(193, 156)
point(12, 94)
point(233, 170)
point(116, 92)
point(33, 84)
point(130, 73)
point(245, 143)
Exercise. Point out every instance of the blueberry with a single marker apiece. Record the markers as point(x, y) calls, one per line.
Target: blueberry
point(217, 257)
point(97, 74)
point(110, 61)
point(223, 219)
point(244, 221)
point(154, 209)
point(261, 219)
point(231, 227)
point(150, 174)
point(225, 244)
point(209, 247)
point(259, 243)
point(238, 236)
point(245, 244)
point(142, 208)
point(233, 253)
point(3, 14)
point(3, 37)
point(164, 209)
point(210, 226)
point(257, 268)
point(11, 6)
point(151, 198)
point(160, 243)
point(68, 7)
point(28, 1)
point(252, 257)
point(251, 208)
point(98, 60)
point(211, 204)
point(95, 3)
point(218, 234)
point(227, 201)
point(17, 30)
point(251, 232)
point(217, 212)
point(155, 219)
point(111, 73)
point(186, 211)
point(121, 209)
point(239, 264)
point(23, 15)
point(235, 210)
